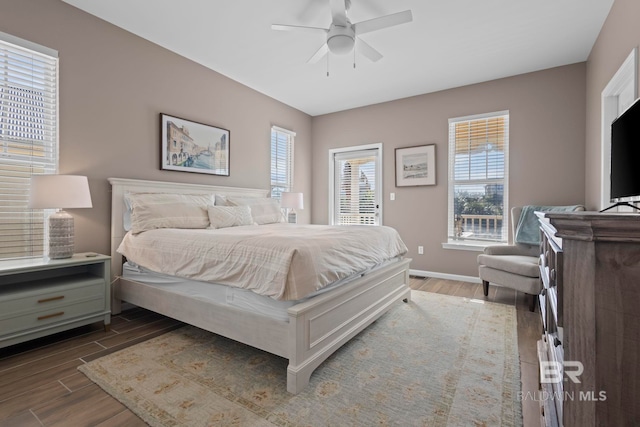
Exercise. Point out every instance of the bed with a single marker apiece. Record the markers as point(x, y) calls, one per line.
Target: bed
point(312, 328)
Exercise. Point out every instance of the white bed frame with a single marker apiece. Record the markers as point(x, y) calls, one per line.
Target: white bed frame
point(316, 328)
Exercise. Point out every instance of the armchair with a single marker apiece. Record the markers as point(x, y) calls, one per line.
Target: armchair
point(515, 266)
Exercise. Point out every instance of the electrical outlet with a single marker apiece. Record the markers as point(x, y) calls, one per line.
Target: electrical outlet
point(420, 250)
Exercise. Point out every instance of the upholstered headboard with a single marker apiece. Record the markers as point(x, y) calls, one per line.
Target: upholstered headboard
point(121, 186)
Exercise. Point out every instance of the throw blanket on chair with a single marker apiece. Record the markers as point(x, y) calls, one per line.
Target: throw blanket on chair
point(528, 230)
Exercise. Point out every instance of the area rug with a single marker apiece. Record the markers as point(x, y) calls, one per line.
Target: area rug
point(436, 361)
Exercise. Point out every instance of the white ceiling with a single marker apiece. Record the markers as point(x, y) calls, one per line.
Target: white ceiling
point(450, 43)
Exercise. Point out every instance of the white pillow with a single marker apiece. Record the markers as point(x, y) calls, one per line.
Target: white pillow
point(168, 210)
point(126, 215)
point(229, 216)
point(220, 200)
point(263, 210)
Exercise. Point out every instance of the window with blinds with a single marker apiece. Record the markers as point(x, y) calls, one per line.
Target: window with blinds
point(356, 190)
point(281, 161)
point(28, 140)
point(478, 177)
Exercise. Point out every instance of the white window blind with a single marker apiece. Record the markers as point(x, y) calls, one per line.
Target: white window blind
point(356, 174)
point(478, 177)
point(281, 161)
point(28, 140)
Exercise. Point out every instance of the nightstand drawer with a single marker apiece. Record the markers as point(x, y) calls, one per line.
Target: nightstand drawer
point(55, 315)
point(40, 296)
point(81, 288)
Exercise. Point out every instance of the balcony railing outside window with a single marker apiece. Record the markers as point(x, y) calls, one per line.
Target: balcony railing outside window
point(478, 227)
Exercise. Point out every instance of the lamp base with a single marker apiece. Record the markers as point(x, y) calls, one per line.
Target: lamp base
point(292, 217)
point(61, 235)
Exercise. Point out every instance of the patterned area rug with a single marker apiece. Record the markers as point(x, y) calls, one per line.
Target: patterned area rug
point(436, 361)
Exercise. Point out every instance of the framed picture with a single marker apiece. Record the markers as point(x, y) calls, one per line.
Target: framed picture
point(416, 166)
point(193, 147)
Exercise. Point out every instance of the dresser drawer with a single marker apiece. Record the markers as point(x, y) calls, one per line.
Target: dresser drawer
point(34, 320)
point(36, 299)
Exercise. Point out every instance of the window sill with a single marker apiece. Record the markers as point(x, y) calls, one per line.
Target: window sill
point(468, 245)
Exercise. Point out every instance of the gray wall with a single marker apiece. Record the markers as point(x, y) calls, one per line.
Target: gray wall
point(619, 35)
point(113, 87)
point(546, 136)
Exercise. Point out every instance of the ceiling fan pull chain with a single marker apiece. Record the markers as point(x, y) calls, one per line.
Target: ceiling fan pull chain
point(354, 56)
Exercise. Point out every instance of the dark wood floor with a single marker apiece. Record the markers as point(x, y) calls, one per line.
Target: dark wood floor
point(40, 385)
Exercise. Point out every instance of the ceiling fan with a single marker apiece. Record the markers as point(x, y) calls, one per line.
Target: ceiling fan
point(342, 34)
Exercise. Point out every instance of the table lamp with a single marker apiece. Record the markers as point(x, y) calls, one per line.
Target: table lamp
point(60, 192)
point(291, 202)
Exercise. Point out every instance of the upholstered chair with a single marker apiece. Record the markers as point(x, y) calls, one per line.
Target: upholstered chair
point(515, 266)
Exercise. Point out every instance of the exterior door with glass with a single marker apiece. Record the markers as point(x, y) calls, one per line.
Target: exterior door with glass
point(356, 185)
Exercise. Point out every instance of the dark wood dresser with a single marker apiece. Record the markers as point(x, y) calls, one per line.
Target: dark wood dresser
point(590, 267)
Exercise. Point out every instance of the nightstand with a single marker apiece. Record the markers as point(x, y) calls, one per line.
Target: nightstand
point(40, 297)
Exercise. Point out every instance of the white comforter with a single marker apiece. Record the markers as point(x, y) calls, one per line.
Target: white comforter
point(283, 261)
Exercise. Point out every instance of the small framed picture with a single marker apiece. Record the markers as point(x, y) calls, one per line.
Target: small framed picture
point(416, 165)
point(193, 147)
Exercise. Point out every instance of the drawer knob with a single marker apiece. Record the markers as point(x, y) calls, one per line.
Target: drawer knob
point(556, 342)
point(552, 274)
point(543, 292)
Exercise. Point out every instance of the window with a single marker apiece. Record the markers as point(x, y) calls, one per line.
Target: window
point(478, 177)
point(28, 140)
point(281, 161)
point(356, 189)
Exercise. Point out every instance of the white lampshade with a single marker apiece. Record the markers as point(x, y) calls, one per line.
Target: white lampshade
point(292, 201)
point(60, 192)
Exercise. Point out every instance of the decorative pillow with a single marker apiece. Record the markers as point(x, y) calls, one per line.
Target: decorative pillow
point(229, 216)
point(221, 200)
point(126, 215)
point(263, 210)
point(167, 210)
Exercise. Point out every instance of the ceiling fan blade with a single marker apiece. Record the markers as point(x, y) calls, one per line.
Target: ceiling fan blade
point(368, 51)
point(386, 21)
point(319, 54)
point(339, 12)
point(282, 27)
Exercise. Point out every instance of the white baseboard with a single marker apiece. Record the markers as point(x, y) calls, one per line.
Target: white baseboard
point(422, 273)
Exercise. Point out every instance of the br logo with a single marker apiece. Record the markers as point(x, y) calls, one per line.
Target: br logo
point(554, 372)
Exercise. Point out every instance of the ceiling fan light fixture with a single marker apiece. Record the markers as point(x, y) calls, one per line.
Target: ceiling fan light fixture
point(340, 44)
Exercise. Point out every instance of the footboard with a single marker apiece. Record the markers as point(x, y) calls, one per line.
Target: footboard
point(246, 327)
point(318, 327)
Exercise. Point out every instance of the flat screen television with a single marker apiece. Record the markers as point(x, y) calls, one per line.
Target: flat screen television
point(625, 156)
